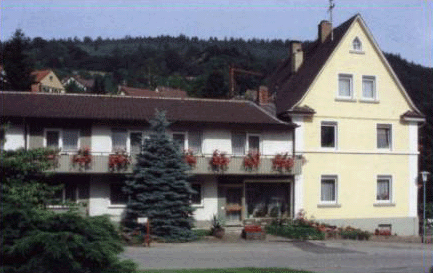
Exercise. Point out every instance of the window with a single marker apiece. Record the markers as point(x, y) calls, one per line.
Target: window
point(180, 140)
point(197, 196)
point(356, 44)
point(383, 193)
point(384, 140)
point(118, 139)
point(244, 142)
point(117, 196)
point(345, 86)
point(369, 87)
point(66, 139)
point(70, 140)
point(135, 141)
point(328, 189)
point(329, 135)
point(194, 142)
point(52, 138)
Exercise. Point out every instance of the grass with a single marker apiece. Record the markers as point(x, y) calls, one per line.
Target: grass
point(226, 270)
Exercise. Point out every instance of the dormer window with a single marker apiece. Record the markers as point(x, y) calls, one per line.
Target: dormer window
point(356, 44)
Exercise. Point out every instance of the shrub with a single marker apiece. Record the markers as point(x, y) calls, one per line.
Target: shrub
point(296, 232)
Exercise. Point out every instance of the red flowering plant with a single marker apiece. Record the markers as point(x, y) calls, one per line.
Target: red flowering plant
point(189, 158)
point(252, 160)
point(282, 162)
point(83, 158)
point(119, 161)
point(219, 161)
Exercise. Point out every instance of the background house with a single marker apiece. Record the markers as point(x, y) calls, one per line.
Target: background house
point(358, 128)
point(86, 85)
point(46, 81)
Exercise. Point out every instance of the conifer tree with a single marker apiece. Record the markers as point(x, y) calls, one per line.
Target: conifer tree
point(158, 188)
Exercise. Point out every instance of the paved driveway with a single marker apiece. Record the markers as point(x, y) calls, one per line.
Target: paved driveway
point(327, 256)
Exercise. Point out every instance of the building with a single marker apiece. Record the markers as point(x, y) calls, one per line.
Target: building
point(86, 85)
point(46, 81)
point(358, 128)
point(108, 124)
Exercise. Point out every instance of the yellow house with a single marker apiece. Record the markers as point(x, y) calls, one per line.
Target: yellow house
point(46, 81)
point(358, 131)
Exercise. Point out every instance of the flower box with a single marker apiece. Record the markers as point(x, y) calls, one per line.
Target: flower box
point(119, 161)
point(82, 159)
point(252, 161)
point(219, 161)
point(190, 159)
point(282, 162)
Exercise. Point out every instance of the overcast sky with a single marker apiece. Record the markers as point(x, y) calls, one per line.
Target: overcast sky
point(399, 26)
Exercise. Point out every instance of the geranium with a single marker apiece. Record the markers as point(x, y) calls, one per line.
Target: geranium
point(83, 158)
point(189, 158)
point(219, 161)
point(282, 162)
point(119, 161)
point(252, 160)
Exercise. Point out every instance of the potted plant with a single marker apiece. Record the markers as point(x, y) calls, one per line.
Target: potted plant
point(219, 161)
point(52, 156)
point(82, 158)
point(217, 229)
point(282, 162)
point(252, 161)
point(119, 161)
point(189, 158)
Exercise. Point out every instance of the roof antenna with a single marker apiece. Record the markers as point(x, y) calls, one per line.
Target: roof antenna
point(331, 7)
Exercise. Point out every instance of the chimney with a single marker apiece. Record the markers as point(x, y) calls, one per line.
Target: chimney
point(263, 95)
point(325, 28)
point(296, 55)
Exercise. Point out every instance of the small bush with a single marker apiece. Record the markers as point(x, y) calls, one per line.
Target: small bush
point(296, 232)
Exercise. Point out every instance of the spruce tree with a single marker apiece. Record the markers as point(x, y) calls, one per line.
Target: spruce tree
point(159, 187)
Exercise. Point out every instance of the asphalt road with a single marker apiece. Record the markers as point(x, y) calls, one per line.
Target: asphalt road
point(327, 256)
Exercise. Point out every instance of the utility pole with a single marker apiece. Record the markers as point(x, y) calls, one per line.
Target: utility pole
point(232, 82)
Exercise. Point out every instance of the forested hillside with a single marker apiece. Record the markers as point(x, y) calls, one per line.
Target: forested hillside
point(201, 67)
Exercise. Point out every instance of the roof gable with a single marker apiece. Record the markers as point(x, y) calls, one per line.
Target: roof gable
point(292, 92)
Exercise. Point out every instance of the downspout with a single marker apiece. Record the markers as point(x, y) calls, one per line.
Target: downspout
point(26, 131)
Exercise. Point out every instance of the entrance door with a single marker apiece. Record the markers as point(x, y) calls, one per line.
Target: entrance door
point(233, 206)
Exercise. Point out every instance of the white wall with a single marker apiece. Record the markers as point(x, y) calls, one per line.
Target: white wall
point(209, 207)
point(14, 137)
point(101, 139)
point(217, 140)
point(99, 199)
point(276, 143)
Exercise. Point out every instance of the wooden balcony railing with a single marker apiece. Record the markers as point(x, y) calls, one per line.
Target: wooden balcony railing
point(100, 164)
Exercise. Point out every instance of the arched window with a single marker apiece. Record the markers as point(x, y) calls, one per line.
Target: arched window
point(356, 44)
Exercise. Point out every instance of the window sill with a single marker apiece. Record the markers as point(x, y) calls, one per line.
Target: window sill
point(357, 52)
point(345, 99)
point(331, 205)
point(368, 101)
point(384, 204)
point(199, 206)
point(119, 206)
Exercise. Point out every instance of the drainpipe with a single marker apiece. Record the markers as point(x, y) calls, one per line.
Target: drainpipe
point(26, 127)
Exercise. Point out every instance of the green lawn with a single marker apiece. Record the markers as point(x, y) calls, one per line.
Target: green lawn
point(228, 270)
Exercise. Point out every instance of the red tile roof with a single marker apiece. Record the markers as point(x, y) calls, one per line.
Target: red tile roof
point(103, 107)
point(40, 74)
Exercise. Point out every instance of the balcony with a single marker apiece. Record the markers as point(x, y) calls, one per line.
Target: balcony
point(100, 164)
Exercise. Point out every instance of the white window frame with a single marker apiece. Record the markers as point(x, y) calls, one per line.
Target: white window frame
point(374, 80)
point(333, 124)
point(391, 136)
point(60, 131)
point(201, 204)
point(390, 189)
point(351, 90)
point(336, 189)
point(111, 139)
point(357, 41)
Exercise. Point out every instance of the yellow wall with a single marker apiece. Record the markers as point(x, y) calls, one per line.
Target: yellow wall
point(52, 83)
point(357, 161)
